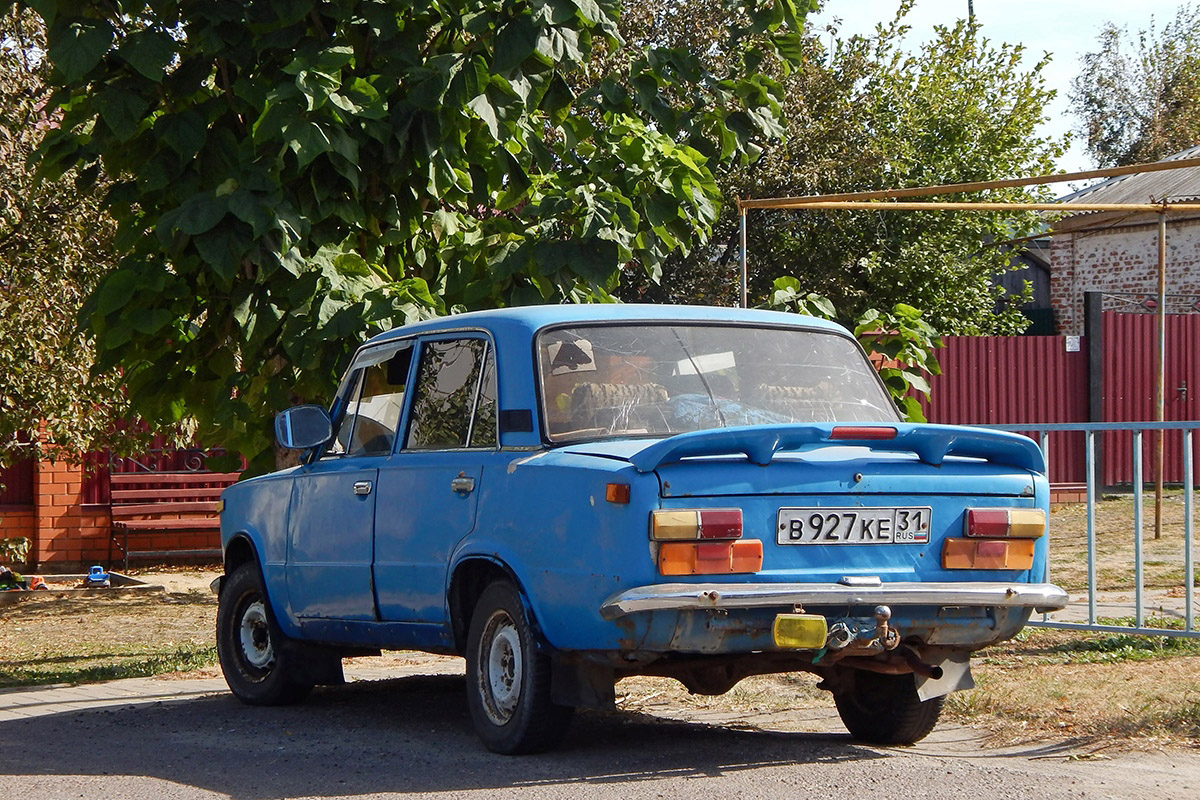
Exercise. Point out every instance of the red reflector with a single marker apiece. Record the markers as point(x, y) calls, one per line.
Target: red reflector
point(862, 432)
point(721, 523)
point(987, 522)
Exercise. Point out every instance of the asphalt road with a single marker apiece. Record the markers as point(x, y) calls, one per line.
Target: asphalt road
point(411, 737)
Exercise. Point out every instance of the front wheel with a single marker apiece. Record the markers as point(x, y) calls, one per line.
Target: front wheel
point(508, 680)
point(885, 709)
point(255, 655)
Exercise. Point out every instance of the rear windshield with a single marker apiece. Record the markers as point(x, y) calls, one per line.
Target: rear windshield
point(651, 380)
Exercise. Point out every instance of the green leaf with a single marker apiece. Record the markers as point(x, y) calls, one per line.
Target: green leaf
point(515, 42)
point(185, 132)
point(117, 290)
point(483, 109)
point(122, 110)
point(307, 140)
point(249, 209)
point(152, 321)
point(198, 214)
point(77, 47)
point(149, 52)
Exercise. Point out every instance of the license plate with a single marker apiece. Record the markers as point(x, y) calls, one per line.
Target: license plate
point(877, 525)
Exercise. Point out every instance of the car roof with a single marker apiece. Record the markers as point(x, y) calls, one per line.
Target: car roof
point(533, 318)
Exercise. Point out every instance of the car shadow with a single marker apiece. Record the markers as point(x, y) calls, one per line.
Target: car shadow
point(403, 735)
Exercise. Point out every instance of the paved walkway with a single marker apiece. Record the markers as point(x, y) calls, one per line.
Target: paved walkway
point(40, 701)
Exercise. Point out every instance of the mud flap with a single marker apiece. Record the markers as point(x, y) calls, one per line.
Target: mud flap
point(956, 675)
point(582, 684)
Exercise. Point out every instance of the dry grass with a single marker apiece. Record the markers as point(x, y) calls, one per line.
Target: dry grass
point(1141, 690)
point(1162, 558)
point(57, 639)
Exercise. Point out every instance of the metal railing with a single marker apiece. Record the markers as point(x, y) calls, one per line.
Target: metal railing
point(1090, 431)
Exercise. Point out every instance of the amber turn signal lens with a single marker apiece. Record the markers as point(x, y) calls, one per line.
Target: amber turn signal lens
point(710, 558)
point(617, 493)
point(1014, 554)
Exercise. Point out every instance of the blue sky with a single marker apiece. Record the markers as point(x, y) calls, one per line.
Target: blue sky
point(1066, 30)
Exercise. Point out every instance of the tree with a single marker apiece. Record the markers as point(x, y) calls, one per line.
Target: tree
point(1138, 96)
point(862, 114)
point(55, 246)
point(287, 176)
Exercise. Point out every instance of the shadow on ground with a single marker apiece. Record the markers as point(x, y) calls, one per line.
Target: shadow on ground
point(405, 735)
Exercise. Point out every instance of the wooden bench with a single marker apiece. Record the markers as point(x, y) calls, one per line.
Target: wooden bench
point(147, 503)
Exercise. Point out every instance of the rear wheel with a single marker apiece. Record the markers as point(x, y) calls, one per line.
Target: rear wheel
point(885, 709)
point(259, 664)
point(508, 680)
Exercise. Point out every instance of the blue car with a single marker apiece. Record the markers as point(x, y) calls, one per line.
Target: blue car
point(568, 495)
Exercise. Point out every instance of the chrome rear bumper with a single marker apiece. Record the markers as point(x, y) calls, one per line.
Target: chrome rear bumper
point(700, 596)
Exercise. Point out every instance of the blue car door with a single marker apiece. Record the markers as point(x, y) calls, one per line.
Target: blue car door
point(332, 517)
point(428, 490)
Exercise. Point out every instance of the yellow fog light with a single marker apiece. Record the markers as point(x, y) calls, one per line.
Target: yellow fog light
point(800, 631)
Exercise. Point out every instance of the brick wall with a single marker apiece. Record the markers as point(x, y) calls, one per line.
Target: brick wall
point(17, 522)
point(1120, 260)
point(67, 533)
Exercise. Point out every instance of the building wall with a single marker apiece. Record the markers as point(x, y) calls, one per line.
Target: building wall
point(1120, 260)
point(66, 531)
point(17, 522)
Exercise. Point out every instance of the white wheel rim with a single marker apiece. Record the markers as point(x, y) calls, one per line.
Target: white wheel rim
point(255, 637)
point(500, 668)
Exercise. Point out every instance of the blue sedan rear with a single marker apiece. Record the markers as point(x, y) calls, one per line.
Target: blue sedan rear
point(568, 495)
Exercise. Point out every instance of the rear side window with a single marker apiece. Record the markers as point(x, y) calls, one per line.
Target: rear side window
point(454, 401)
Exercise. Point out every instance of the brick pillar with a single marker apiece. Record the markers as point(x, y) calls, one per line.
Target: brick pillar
point(67, 534)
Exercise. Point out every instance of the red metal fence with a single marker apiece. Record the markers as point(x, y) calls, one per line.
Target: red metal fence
point(1035, 379)
point(1005, 380)
point(1130, 355)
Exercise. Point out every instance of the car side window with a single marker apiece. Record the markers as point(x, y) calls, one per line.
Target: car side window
point(454, 401)
point(375, 403)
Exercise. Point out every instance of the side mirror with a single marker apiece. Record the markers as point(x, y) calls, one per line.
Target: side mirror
point(302, 427)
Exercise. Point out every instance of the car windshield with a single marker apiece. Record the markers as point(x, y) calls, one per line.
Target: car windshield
point(603, 381)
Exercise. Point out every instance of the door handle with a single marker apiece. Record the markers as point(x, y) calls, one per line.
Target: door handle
point(462, 484)
point(362, 487)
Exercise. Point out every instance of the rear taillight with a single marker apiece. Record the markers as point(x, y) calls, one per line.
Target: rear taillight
point(703, 541)
point(997, 538)
point(1004, 523)
point(706, 523)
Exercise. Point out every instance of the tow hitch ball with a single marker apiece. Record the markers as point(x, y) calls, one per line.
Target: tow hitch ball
point(860, 635)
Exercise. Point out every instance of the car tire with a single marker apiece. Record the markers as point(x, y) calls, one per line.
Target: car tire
point(508, 679)
point(885, 709)
point(260, 665)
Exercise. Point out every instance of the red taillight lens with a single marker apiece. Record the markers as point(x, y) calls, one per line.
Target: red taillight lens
point(707, 523)
point(1004, 523)
point(721, 523)
point(862, 432)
